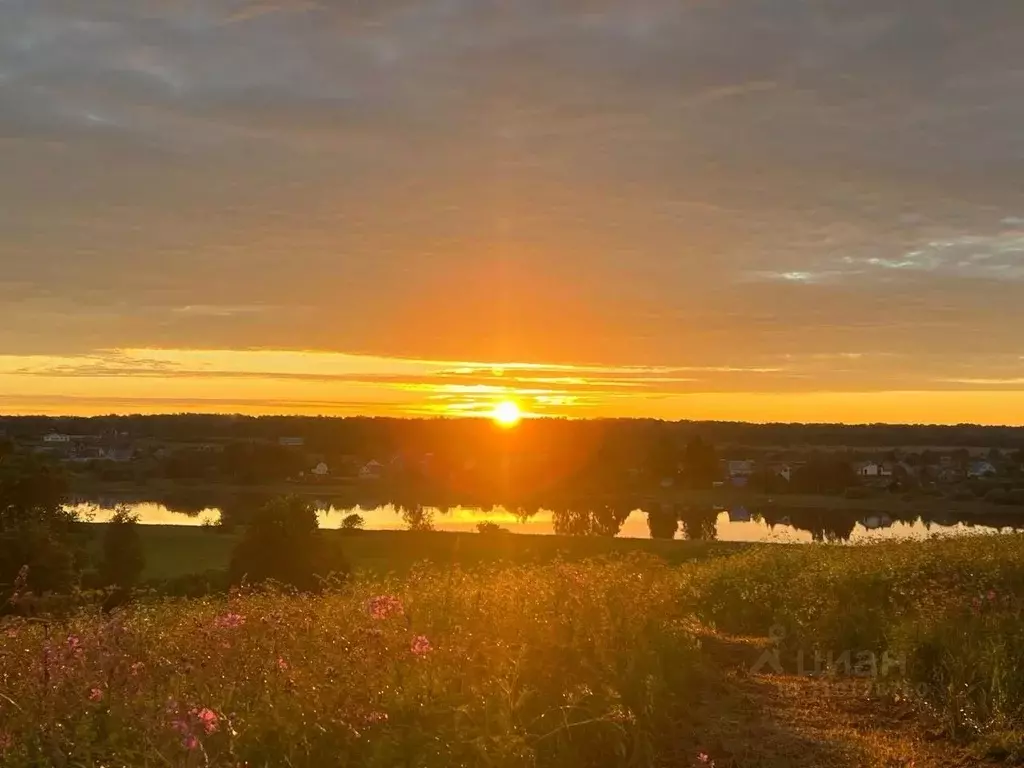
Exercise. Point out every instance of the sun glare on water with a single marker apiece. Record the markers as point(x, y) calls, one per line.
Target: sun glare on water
point(506, 414)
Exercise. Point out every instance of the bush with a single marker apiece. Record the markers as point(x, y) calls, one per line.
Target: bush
point(352, 522)
point(282, 543)
point(36, 529)
point(123, 559)
point(487, 527)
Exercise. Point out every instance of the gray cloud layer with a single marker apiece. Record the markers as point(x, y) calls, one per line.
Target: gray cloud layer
point(664, 181)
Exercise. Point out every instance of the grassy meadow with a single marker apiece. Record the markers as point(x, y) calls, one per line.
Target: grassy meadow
point(174, 551)
point(533, 658)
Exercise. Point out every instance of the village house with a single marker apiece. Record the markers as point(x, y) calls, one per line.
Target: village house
point(291, 442)
point(981, 469)
point(321, 470)
point(372, 470)
point(873, 469)
point(57, 438)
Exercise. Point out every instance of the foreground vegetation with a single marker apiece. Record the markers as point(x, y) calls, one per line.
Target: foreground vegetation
point(937, 622)
point(437, 669)
point(608, 661)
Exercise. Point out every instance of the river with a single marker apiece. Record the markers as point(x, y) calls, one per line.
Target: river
point(774, 523)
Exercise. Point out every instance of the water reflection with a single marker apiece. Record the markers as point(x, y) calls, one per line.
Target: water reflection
point(624, 519)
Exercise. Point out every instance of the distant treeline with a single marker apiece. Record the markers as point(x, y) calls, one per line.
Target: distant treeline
point(379, 436)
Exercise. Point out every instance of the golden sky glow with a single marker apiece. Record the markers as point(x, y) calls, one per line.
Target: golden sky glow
point(269, 381)
point(642, 208)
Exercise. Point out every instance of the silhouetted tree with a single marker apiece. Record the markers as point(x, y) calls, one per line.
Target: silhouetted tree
point(663, 456)
point(663, 522)
point(490, 528)
point(700, 463)
point(282, 543)
point(700, 523)
point(123, 557)
point(36, 528)
point(417, 517)
point(352, 522)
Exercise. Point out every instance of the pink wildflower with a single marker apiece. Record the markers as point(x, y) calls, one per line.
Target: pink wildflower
point(703, 758)
point(96, 695)
point(74, 643)
point(229, 621)
point(282, 665)
point(385, 605)
point(420, 645)
point(991, 594)
point(206, 718)
point(189, 742)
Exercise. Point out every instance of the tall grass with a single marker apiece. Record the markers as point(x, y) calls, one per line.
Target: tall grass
point(560, 665)
point(946, 615)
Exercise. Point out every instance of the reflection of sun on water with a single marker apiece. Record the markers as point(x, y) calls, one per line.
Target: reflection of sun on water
point(506, 414)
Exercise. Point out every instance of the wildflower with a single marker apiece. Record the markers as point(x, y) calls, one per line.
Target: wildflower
point(420, 645)
point(282, 665)
point(137, 668)
point(6, 742)
point(20, 582)
point(376, 717)
point(385, 605)
point(189, 742)
point(229, 621)
point(96, 695)
point(74, 643)
point(704, 759)
point(991, 595)
point(207, 719)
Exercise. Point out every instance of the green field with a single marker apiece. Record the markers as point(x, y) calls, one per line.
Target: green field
point(174, 551)
point(534, 654)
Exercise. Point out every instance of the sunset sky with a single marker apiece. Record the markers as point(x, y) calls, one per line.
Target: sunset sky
point(795, 210)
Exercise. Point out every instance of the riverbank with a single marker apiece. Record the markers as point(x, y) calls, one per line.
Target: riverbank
point(371, 495)
point(175, 551)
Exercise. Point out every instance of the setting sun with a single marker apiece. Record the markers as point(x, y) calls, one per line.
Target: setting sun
point(507, 414)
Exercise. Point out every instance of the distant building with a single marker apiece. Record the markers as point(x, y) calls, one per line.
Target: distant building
point(56, 437)
point(874, 522)
point(743, 468)
point(291, 442)
point(874, 469)
point(785, 471)
point(371, 470)
point(981, 469)
point(119, 455)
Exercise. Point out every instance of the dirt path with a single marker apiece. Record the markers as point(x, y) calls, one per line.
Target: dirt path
point(764, 718)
